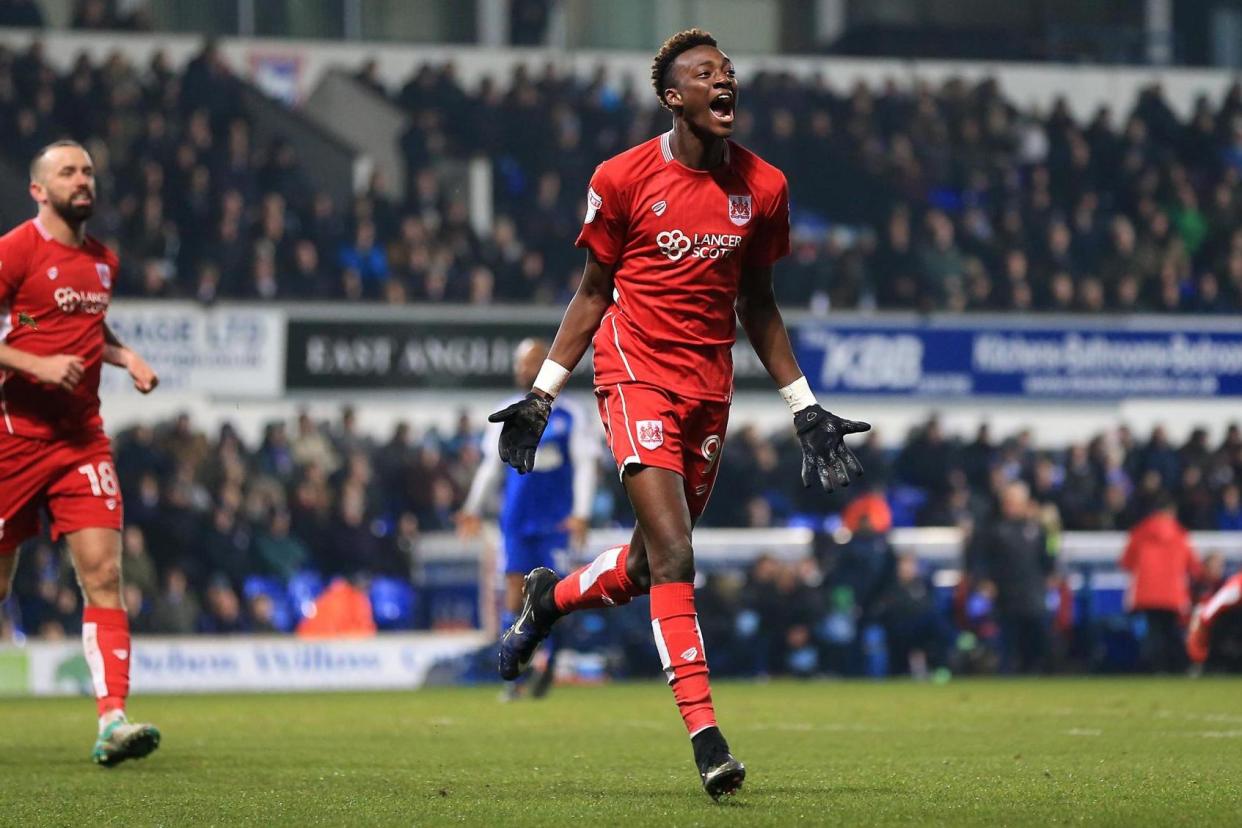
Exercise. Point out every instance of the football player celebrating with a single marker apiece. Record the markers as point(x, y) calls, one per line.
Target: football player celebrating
point(56, 282)
point(681, 233)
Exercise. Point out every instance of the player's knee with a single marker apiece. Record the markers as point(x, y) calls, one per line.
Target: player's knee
point(103, 579)
point(638, 573)
point(675, 563)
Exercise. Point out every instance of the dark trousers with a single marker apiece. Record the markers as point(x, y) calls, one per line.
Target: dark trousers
point(1025, 642)
point(1164, 650)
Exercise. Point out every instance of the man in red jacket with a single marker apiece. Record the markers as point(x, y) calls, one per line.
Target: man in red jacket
point(1161, 562)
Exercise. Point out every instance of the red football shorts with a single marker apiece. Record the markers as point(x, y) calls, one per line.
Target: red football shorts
point(73, 478)
point(647, 426)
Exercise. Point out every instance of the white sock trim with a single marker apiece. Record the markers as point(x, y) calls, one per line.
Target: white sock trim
point(94, 658)
point(798, 395)
point(551, 378)
point(110, 717)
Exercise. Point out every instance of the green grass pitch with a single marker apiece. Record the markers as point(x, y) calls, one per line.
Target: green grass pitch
point(1100, 751)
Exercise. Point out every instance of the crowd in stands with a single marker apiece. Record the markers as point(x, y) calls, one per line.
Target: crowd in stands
point(944, 197)
point(205, 513)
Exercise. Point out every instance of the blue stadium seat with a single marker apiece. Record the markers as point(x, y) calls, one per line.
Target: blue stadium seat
point(905, 503)
point(1107, 602)
point(393, 604)
point(282, 613)
point(303, 588)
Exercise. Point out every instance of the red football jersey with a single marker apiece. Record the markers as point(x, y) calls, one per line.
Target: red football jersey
point(679, 239)
point(56, 297)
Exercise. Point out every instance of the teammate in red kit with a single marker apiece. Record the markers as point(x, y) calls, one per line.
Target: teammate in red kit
point(681, 234)
point(56, 282)
point(1215, 634)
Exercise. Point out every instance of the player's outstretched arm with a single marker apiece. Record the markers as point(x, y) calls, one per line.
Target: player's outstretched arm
point(524, 421)
point(822, 434)
point(583, 315)
point(116, 353)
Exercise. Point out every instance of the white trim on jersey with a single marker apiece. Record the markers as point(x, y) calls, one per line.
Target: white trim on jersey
point(616, 338)
point(633, 458)
point(42, 230)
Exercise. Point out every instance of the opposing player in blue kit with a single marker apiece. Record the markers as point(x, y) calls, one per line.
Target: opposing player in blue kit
point(544, 514)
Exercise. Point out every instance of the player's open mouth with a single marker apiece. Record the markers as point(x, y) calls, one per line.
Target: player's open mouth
point(83, 198)
point(722, 106)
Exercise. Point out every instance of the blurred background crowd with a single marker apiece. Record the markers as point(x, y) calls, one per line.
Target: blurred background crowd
point(926, 197)
point(212, 523)
point(916, 196)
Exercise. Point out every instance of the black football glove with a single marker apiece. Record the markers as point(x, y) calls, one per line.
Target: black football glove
point(524, 422)
point(824, 453)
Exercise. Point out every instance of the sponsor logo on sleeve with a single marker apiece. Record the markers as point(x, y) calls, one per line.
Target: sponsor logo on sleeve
point(105, 274)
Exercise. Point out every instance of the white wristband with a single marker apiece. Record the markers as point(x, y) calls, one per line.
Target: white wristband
point(552, 378)
point(797, 395)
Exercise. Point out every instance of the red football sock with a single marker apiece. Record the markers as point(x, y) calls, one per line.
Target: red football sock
point(105, 638)
point(601, 583)
point(680, 643)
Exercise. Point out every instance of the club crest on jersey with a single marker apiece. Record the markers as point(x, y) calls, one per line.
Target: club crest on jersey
point(594, 202)
point(53, 272)
point(105, 274)
point(659, 207)
point(650, 433)
point(739, 209)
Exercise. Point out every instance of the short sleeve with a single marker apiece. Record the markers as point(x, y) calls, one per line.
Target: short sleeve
point(771, 239)
point(604, 224)
point(13, 257)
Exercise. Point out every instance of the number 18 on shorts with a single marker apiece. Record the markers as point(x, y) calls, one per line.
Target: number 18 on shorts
point(74, 480)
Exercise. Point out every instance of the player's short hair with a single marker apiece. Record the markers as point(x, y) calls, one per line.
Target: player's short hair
point(63, 142)
point(674, 46)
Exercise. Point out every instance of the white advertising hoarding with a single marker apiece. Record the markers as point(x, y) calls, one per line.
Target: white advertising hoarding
point(248, 663)
point(222, 351)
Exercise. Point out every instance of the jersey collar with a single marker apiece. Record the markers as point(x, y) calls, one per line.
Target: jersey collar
point(666, 151)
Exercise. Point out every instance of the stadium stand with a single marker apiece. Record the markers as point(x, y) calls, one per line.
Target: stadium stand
point(961, 199)
point(225, 537)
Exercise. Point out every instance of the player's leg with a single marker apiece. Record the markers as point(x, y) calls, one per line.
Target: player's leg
point(615, 577)
point(23, 478)
point(610, 580)
point(96, 556)
point(621, 573)
point(606, 581)
point(663, 513)
point(85, 506)
point(523, 553)
point(554, 553)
